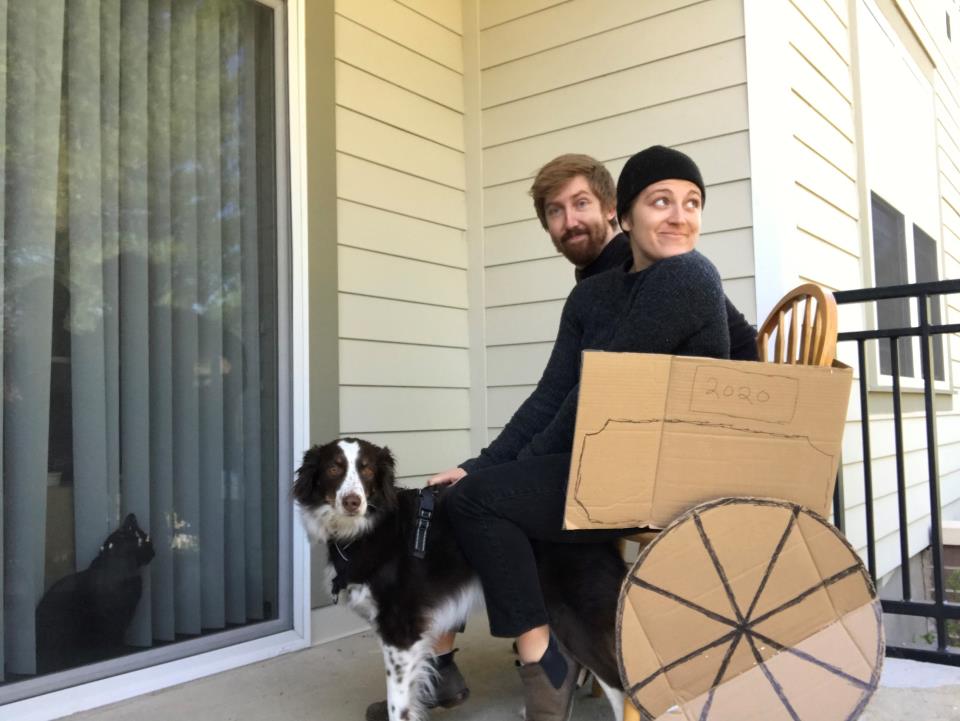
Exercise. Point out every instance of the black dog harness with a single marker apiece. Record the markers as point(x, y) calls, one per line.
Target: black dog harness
point(428, 500)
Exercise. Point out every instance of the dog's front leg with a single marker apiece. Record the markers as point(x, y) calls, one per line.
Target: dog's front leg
point(409, 680)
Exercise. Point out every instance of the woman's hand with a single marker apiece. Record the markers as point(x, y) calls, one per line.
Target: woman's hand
point(447, 477)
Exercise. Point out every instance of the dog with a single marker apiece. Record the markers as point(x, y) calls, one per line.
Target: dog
point(347, 499)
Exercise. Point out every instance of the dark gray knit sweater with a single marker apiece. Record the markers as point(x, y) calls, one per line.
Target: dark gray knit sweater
point(676, 306)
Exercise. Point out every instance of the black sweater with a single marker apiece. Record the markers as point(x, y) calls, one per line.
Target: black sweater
point(674, 306)
point(743, 336)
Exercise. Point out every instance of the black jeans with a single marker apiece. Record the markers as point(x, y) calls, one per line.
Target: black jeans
point(495, 513)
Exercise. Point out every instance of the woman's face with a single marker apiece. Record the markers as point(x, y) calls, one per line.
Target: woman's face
point(663, 221)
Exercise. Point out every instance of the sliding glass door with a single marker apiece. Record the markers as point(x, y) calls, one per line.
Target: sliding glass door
point(142, 317)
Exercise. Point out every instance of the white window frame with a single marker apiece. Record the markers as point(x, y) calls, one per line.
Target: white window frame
point(880, 381)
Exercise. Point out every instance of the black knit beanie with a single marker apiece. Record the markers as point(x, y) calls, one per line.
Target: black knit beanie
point(651, 165)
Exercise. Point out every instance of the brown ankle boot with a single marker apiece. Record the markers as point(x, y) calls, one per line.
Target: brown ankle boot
point(542, 701)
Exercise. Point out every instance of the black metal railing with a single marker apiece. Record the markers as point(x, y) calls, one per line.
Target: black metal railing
point(944, 615)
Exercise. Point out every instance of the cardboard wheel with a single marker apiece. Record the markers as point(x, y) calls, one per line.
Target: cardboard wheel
point(748, 608)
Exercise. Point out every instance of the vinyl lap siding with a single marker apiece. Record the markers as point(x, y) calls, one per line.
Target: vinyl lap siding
point(828, 212)
point(824, 152)
point(606, 79)
point(404, 336)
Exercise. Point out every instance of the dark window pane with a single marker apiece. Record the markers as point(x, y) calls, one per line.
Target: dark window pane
point(890, 268)
point(925, 254)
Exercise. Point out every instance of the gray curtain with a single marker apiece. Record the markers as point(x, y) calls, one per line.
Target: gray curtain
point(34, 41)
point(138, 163)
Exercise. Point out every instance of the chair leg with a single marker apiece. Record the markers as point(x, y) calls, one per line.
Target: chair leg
point(596, 691)
point(630, 712)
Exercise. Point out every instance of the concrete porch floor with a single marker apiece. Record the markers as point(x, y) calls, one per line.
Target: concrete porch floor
point(335, 681)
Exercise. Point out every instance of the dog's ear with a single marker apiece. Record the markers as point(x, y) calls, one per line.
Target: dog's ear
point(386, 477)
point(306, 480)
point(386, 464)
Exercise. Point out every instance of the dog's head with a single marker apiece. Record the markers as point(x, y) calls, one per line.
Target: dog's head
point(344, 487)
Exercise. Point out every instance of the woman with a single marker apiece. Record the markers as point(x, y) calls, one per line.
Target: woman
point(668, 299)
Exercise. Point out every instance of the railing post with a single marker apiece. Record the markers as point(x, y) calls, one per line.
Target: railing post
point(936, 529)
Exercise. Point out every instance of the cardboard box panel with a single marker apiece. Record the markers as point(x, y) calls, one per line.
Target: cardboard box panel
point(657, 435)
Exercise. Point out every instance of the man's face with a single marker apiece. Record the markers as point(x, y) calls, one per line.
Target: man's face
point(578, 224)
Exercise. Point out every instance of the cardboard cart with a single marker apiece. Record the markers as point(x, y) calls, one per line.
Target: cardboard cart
point(749, 604)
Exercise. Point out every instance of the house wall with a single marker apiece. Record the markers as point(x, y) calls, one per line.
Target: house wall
point(607, 80)
point(401, 220)
point(826, 236)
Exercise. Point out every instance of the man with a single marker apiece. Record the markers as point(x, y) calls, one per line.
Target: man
point(575, 199)
point(576, 202)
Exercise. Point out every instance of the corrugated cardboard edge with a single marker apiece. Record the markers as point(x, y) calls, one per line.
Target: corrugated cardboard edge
point(679, 711)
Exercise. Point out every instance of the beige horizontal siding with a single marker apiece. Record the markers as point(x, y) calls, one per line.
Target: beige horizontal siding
point(605, 96)
point(401, 364)
point(502, 401)
point(363, 137)
point(364, 226)
point(405, 27)
point(402, 255)
point(567, 23)
point(383, 187)
point(515, 365)
point(531, 282)
point(447, 13)
point(401, 322)
point(517, 241)
point(714, 114)
point(529, 323)
point(377, 98)
point(495, 12)
point(616, 49)
point(386, 58)
point(423, 453)
point(365, 409)
point(386, 276)
point(825, 221)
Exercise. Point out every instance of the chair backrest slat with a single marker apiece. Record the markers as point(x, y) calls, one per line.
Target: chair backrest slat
point(810, 342)
point(806, 348)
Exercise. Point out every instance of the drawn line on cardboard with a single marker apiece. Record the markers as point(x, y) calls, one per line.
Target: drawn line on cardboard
point(745, 626)
point(718, 567)
point(859, 683)
point(682, 660)
point(682, 601)
point(777, 688)
point(756, 597)
point(773, 560)
point(838, 576)
point(719, 677)
point(674, 421)
point(731, 371)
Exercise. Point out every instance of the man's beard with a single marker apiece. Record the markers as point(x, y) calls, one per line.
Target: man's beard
point(584, 251)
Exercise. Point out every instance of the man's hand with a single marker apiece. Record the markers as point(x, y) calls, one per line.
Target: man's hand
point(447, 477)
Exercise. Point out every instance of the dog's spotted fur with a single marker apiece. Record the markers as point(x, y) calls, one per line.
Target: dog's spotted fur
point(347, 498)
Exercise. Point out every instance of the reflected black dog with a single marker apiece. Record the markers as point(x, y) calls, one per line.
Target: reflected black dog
point(347, 498)
point(83, 617)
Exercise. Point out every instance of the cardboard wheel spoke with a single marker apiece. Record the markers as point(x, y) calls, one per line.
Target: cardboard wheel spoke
point(782, 621)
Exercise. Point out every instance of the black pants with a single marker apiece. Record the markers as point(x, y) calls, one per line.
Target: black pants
point(495, 512)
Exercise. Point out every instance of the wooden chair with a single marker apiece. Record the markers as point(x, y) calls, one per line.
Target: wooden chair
point(810, 341)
